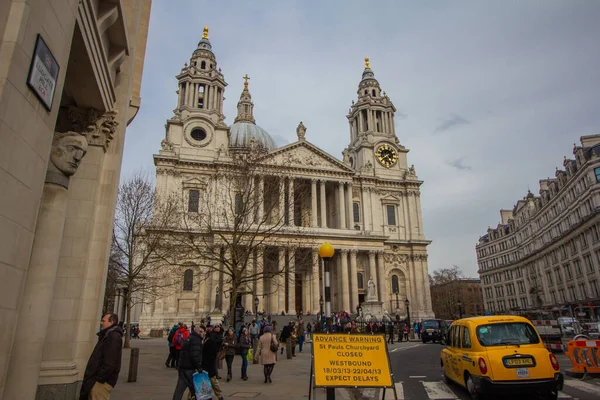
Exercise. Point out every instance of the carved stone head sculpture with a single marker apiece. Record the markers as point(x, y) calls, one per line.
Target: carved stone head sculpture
point(68, 149)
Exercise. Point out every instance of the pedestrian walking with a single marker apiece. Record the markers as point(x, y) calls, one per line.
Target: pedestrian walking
point(181, 334)
point(406, 330)
point(300, 334)
point(102, 370)
point(254, 330)
point(230, 344)
point(190, 360)
point(265, 354)
point(308, 332)
point(244, 344)
point(209, 363)
point(391, 333)
point(170, 363)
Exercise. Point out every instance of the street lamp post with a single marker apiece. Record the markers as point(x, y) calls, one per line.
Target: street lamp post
point(397, 300)
point(326, 251)
point(217, 298)
point(459, 304)
point(407, 304)
point(256, 307)
point(321, 307)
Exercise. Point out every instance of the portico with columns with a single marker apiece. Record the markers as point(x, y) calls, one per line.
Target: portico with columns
point(367, 204)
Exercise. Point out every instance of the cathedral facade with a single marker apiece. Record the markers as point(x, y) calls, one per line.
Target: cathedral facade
point(366, 205)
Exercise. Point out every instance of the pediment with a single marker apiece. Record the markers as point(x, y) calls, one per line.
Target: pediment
point(305, 155)
point(194, 183)
point(390, 197)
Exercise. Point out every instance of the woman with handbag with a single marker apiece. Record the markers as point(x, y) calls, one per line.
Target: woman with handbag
point(230, 343)
point(267, 352)
point(244, 344)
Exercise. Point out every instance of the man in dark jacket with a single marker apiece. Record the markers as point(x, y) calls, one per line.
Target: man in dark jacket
point(190, 360)
point(103, 367)
point(209, 363)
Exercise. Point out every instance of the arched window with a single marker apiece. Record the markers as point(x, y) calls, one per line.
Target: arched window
point(203, 65)
point(360, 281)
point(188, 280)
point(395, 286)
point(356, 212)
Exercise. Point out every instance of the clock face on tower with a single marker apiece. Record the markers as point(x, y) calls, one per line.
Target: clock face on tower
point(386, 155)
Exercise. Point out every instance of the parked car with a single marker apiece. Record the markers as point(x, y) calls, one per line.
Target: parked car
point(500, 354)
point(434, 330)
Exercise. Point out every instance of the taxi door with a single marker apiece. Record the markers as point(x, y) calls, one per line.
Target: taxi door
point(454, 354)
point(466, 361)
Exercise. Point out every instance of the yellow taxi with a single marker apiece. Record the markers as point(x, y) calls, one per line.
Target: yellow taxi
point(501, 354)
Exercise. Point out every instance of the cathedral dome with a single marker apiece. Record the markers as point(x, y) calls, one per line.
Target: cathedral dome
point(241, 134)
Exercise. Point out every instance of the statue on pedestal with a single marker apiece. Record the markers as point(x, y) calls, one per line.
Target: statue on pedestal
point(371, 295)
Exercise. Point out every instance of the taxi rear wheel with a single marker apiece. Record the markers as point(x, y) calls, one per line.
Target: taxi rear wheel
point(471, 388)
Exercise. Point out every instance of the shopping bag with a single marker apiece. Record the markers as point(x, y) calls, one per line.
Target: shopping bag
point(202, 386)
point(249, 355)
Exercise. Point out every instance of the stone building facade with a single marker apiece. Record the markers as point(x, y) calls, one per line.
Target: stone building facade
point(463, 295)
point(61, 144)
point(366, 205)
point(546, 250)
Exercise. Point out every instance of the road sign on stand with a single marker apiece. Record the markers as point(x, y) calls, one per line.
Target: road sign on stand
point(351, 361)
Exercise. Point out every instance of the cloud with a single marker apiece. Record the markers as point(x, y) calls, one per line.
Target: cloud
point(453, 121)
point(458, 164)
point(522, 84)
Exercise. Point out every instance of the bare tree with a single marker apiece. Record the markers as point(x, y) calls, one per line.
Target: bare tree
point(446, 292)
point(138, 247)
point(240, 211)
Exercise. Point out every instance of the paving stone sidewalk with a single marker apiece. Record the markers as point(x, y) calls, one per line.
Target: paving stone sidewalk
point(156, 382)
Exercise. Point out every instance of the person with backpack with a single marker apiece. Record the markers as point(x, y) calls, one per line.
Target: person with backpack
point(190, 360)
point(181, 334)
point(170, 363)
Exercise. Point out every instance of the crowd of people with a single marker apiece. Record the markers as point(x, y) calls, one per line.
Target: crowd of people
point(205, 346)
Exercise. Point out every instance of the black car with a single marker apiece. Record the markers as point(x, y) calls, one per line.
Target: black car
point(434, 330)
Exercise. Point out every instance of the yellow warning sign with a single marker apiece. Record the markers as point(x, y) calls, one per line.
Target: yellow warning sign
point(351, 360)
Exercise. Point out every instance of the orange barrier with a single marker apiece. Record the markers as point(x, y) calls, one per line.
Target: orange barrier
point(584, 355)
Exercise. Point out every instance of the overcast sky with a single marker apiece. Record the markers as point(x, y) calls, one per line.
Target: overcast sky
point(490, 95)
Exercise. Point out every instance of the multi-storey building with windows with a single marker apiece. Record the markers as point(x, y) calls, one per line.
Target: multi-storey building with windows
point(546, 250)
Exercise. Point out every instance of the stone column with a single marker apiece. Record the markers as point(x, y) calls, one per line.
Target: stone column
point(419, 214)
point(313, 203)
point(366, 211)
point(323, 204)
point(291, 279)
point(353, 280)
point(189, 93)
point(406, 213)
point(208, 293)
point(196, 96)
point(261, 198)
point(281, 200)
point(208, 100)
point(349, 206)
point(316, 293)
point(68, 148)
point(260, 287)
point(373, 270)
point(414, 287)
point(291, 221)
point(341, 206)
point(345, 301)
point(280, 288)
point(383, 294)
point(179, 95)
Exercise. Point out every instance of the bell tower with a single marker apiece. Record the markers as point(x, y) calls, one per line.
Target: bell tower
point(198, 124)
point(374, 146)
point(201, 84)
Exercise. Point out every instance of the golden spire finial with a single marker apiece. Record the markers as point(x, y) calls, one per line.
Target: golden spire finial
point(205, 33)
point(245, 77)
point(367, 63)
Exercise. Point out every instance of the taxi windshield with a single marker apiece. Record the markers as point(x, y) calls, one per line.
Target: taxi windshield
point(505, 334)
point(431, 324)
